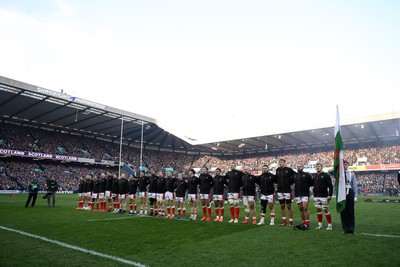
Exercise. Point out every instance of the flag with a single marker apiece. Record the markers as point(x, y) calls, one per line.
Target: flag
point(338, 168)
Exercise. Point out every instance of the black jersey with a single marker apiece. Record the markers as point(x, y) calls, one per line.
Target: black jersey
point(85, 186)
point(205, 183)
point(181, 187)
point(109, 184)
point(115, 186)
point(143, 182)
point(153, 184)
point(249, 184)
point(284, 176)
point(133, 184)
point(96, 185)
point(80, 186)
point(322, 185)
point(234, 179)
point(123, 186)
point(267, 182)
point(193, 183)
point(219, 184)
point(103, 184)
point(170, 184)
point(302, 183)
point(89, 185)
point(161, 185)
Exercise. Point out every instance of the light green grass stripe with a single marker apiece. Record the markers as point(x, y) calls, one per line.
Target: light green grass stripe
point(132, 263)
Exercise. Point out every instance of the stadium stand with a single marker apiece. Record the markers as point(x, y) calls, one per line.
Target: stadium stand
point(16, 172)
point(47, 131)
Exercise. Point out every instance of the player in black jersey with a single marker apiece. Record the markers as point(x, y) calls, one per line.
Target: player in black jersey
point(181, 186)
point(133, 184)
point(218, 196)
point(193, 184)
point(143, 182)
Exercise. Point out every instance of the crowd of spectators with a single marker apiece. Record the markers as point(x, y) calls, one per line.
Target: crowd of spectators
point(378, 183)
point(16, 174)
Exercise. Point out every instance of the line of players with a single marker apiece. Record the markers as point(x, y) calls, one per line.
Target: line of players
point(169, 191)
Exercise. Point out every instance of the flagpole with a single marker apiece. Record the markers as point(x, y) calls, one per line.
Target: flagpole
point(120, 146)
point(141, 149)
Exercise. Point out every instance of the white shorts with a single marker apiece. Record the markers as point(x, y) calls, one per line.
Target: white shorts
point(302, 199)
point(180, 199)
point(169, 195)
point(81, 194)
point(270, 198)
point(101, 195)
point(192, 197)
point(233, 195)
point(88, 194)
point(108, 194)
point(248, 198)
point(218, 197)
point(153, 195)
point(132, 196)
point(160, 196)
point(95, 195)
point(121, 196)
point(320, 201)
point(143, 194)
point(204, 196)
point(284, 196)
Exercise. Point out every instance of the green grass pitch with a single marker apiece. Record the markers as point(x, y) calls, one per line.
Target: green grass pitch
point(163, 242)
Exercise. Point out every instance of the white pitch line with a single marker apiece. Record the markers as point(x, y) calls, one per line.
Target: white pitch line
point(75, 247)
point(110, 219)
point(378, 235)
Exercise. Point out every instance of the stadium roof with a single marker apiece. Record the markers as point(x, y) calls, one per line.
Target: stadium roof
point(31, 105)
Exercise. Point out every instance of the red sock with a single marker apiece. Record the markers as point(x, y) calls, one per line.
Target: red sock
point(222, 211)
point(134, 207)
point(204, 211)
point(169, 210)
point(217, 211)
point(209, 211)
point(173, 210)
point(184, 211)
point(179, 212)
point(232, 209)
point(131, 207)
point(319, 216)
point(237, 212)
point(328, 217)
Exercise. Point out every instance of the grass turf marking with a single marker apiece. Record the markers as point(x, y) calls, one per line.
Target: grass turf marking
point(378, 235)
point(132, 263)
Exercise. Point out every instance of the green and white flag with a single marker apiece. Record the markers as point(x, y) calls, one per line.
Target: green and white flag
point(338, 168)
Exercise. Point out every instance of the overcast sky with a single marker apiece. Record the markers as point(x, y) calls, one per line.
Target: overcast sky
point(211, 70)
